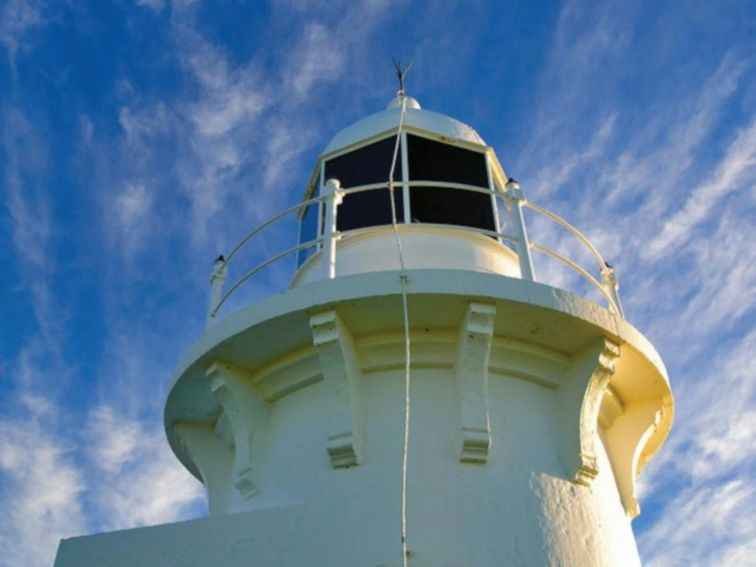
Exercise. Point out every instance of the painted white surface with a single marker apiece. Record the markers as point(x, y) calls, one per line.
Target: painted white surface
point(374, 250)
point(415, 117)
point(522, 507)
point(518, 509)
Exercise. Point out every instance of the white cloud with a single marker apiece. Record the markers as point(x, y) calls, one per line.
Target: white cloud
point(131, 209)
point(29, 209)
point(139, 481)
point(133, 202)
point(40, 487)
point(156, 5)
point(143, 121)
point(16, 18)
point(32, 229)
point(115, 439)
point(712, 524)
point(318, 58)
point(738, 162)
point(663, 149)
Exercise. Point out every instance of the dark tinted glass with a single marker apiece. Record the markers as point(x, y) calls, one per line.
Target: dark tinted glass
point(436, 161)
point(371, 208)
point(367, 165)
point(451, 206)
point(364, 166)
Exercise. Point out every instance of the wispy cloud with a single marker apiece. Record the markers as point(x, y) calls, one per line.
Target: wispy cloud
point(32, 229)
point(40, 481)
point(131, 211)
point(156, 5)
point(139, 481)
point(728, 177)
point(16, 18)
point(29, 210)
point(317, 58)
point(40, 486)
point(709, 525)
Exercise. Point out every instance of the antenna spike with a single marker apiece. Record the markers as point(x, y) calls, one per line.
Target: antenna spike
point(401, 73)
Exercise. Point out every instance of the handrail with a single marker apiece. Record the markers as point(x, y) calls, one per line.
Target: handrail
point(261, 266)
point(570, 228)
point(269, 222)
point(511, 196)
point(579, 269)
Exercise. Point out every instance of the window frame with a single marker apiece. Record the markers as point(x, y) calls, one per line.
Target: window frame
point(485, 150)
point(404, 183)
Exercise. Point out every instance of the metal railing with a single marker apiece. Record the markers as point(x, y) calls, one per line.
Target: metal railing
point(333, 196)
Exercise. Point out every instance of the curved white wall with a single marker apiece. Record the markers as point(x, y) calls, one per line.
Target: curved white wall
point(292, 412)
point(423, 247)
point(517, 509)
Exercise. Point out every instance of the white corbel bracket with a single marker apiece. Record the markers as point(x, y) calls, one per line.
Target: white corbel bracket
point(247, 415)
point(341, 376)
point(626, 439)
point(471, 375)
point(579, 397)
point(213, 459)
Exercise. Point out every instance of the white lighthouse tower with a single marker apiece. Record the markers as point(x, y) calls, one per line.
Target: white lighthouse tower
point(416, 396)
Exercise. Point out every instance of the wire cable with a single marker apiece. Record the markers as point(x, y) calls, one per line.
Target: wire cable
point(407, 351)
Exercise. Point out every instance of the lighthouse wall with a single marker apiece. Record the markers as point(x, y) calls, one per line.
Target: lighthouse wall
point(520, 499)
point(291, 412)
point(519, 508)
point(423, 246)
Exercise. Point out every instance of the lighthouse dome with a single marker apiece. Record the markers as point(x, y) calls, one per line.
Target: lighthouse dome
point(415, 117)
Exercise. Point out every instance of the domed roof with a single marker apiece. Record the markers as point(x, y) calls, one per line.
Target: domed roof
point(414, 116)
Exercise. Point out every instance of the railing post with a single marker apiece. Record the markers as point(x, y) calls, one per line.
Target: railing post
point(611, 285)
point(515, 199)
point(335, 196)
point(217, 279)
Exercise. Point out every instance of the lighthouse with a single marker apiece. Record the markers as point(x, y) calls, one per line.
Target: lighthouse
point(416, 394)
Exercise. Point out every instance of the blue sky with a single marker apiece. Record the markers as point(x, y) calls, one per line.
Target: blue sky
point(141, 138)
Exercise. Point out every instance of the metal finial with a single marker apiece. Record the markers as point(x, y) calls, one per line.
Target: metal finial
point(401, 74)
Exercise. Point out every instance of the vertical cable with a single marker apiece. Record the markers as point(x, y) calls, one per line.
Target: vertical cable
point(403, 281)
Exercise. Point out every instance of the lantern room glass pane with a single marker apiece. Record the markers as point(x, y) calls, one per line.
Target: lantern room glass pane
point(430, 160)
point(452, 206)
point(371, 208)
point(365, 166)
point(436, 161)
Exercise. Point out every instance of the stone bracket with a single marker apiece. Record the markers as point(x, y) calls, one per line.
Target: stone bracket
point(247, 414)
point(342, 377)
point(579, 398)
point(213, 459)
point(626, 439)
point(471, 375)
